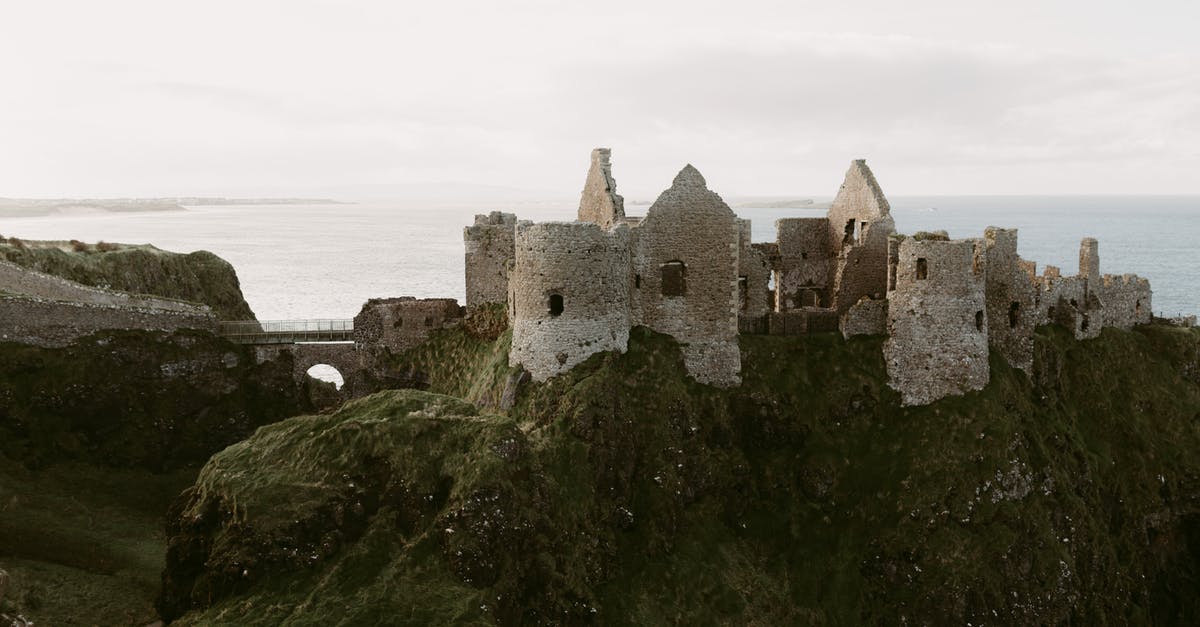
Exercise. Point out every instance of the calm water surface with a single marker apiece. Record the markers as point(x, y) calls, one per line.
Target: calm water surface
point(324, 261)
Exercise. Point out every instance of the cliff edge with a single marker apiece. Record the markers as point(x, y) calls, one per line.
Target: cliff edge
point(623, 492)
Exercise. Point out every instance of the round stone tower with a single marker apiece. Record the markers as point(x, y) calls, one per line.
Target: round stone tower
point(568, 294)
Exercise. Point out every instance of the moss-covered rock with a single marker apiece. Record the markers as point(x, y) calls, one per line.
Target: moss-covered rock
point(149, 400)
point(624, 492)
point(199, 277)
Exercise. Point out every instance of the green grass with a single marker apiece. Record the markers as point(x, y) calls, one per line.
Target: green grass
point(624, 492)
point(84, 544)
point(198, 277)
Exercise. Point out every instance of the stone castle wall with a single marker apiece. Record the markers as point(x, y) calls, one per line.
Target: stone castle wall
point(56, 323)
point(489, 250)
point(937, 320)
point(399, 324)
point(686, 268)
point(754, 273)
point(570, 295)
point(805, 263)
point(1011, 299)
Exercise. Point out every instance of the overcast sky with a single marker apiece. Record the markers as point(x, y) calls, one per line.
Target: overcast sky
point(172, 98)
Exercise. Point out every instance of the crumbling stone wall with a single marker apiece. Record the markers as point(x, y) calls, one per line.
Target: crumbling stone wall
point(754, 273)
point(51, 324)
point(599, 201)
point(570, 295)
point(15, 279)
point(806, 260)
point(489, 250)
point(1126, 300)
point(399, 324)
point(1011, 299)
point(345, 357)
point(937, 320)
point(686, 277)
point(1068, 302)
point(860, 223)
point(867, 317)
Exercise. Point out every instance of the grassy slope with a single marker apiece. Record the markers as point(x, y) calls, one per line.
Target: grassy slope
point(84, 543)
point(199, 277)
point(625, 492)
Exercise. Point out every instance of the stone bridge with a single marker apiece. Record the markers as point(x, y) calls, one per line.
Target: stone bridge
point(355, 348)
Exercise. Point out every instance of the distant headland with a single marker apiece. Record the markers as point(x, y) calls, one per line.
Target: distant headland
point(32, 207)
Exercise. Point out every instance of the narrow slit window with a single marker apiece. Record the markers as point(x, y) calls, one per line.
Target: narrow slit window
point(979, 321)
point(1014, 315)
point(849, 237)
point(922, 269)
point(556, 304)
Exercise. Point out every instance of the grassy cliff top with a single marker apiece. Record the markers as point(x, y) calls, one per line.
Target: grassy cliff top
point(199, 277)
point(625, 493)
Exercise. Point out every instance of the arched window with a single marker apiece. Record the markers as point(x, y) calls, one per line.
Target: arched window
point(556, 304)
point(674, 278)
point(979, 321)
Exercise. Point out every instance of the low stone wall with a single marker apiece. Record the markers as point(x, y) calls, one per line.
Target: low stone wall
point(802, 321)
point(399, 324)
point(867, 317)
point(15, 279)
point(51, 323)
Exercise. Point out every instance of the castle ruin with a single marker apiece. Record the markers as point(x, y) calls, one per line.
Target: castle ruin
point(688, 269)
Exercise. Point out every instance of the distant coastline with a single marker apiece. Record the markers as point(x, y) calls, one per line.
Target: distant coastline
point(34, 207)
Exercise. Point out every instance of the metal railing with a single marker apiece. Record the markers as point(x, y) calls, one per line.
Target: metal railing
point(287, 331)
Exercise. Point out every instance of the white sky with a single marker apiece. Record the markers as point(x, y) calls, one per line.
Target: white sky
point(941, 97)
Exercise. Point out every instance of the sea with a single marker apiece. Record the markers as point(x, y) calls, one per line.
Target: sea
point(325, 260)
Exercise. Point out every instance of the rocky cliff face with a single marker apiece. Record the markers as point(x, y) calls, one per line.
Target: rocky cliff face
point(137, 399)
point(199, 277)
point(624, 492)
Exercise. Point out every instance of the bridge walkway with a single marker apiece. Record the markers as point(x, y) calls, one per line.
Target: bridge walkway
point(287, 331)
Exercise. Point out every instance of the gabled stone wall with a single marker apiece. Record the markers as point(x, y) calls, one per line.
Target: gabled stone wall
point(690, 231)
point(860, 223)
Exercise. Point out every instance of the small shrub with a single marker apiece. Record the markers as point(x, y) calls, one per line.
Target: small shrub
point(106, 247)
point(78, 246)
point(14, 241)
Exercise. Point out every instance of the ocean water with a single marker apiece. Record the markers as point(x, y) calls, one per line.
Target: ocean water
point(324, 261)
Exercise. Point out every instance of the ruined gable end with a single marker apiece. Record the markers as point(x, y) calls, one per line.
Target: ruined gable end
point(599, 201)
point(860, 223)
point(686, 267)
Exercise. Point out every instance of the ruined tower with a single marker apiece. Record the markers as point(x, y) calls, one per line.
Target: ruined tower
point(937, 320)
point(569, 294)
point(489, 249)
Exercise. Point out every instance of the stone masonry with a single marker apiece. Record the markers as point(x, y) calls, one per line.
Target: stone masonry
point(489, 250)
point(937, 320)
point(689, 270)
point(570, 295)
